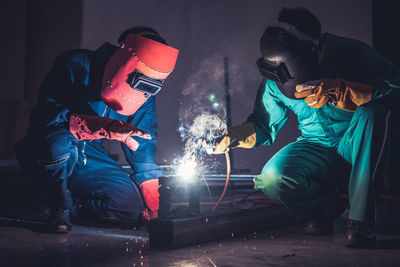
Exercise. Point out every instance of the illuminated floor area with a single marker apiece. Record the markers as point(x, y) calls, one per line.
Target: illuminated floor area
point(285, 246)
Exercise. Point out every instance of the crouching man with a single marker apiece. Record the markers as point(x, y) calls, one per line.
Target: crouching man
point(345, 95)
point(89, 96)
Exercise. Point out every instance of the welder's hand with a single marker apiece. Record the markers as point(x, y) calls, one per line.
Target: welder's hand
point(88, 127)
point(343, 94)
point(151, 197)
point(221, 145)
point(243, 136)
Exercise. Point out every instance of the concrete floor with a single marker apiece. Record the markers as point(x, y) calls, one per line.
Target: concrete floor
point(285, 246)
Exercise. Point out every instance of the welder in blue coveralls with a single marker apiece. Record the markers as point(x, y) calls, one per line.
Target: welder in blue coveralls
point(89, 96)
point(345, 95)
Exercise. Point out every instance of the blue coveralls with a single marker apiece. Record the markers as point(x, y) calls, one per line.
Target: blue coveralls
point(337, 148)
point(64, 165)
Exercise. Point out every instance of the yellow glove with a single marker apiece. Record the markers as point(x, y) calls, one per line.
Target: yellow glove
point(343, 94)
point(243, 135)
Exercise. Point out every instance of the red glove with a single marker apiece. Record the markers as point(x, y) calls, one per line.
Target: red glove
point(87, 127)
point(151, 197)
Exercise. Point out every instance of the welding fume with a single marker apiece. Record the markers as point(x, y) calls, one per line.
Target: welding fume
point(344, 95)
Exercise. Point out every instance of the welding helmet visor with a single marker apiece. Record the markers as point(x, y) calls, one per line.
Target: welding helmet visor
point(143, 83)
point(136, 71)
point(271, 71)
point(286, 60)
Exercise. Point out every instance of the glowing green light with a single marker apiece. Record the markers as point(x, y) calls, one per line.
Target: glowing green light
point(212, 97)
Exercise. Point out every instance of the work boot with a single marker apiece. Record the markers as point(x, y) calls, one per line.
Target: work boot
point(323, 225)
point(318, 227)
point(358, 235)
point(59, 221)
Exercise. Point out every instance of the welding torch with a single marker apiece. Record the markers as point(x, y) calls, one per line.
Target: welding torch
point(243, 136)
point(210, 146)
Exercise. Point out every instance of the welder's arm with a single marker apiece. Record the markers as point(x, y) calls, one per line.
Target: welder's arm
point(343, 94)
point(145, 171)
point(269, 114)
point(262, 126)
point(62, 92)
point(88, 127)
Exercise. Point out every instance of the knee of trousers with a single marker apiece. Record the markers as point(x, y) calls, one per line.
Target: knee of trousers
point(57, 154)
point(122, 205)
point(269, 184)
point(126, 210)
point(370, 112)
point(278, 183)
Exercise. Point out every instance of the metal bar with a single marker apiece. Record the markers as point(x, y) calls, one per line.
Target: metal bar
point(194, 198)
point(169, 234)
point(165, 197)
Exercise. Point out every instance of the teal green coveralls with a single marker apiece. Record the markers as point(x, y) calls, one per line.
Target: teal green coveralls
point(336, 148)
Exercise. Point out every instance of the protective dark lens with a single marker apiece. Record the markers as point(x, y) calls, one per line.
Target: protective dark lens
point(138, 81)
point(278, 73)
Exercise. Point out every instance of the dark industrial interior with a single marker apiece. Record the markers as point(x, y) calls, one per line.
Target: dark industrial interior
point(189, 193)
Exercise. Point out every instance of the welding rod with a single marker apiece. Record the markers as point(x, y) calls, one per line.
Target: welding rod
point(228, 176)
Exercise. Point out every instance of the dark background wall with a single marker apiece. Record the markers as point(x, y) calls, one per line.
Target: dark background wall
point(35, 32)
point(385, 29)
point(12, 74)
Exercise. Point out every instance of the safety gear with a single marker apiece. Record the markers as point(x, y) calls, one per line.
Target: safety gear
point(135, 71)
point(51, 153)
point(343, 94)
point(151, 196)
point(287, 59)
point(243, 136)
point(302, 36)
point(58, 222)
point(77, 69)
point(358, 235)
point(322, 225)
point(329, 135)
point(87, 127)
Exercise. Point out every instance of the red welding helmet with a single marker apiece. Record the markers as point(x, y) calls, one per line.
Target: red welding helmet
point(136, 71)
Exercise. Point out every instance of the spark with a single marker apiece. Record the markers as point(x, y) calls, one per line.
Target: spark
point(187, 168)
point(213, 264)
point(199, 137)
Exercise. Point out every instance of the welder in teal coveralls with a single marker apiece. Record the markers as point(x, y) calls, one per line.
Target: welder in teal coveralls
point(344, 94)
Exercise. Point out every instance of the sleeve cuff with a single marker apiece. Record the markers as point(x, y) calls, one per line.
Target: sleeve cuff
point(146, 171)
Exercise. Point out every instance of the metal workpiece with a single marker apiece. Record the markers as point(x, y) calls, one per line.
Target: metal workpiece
point(173, 233)
point(189, 198)
point(186, 214)
point(194, 197)
point(165, 197)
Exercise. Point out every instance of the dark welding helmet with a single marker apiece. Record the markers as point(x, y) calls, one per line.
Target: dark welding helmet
point(289, 57)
